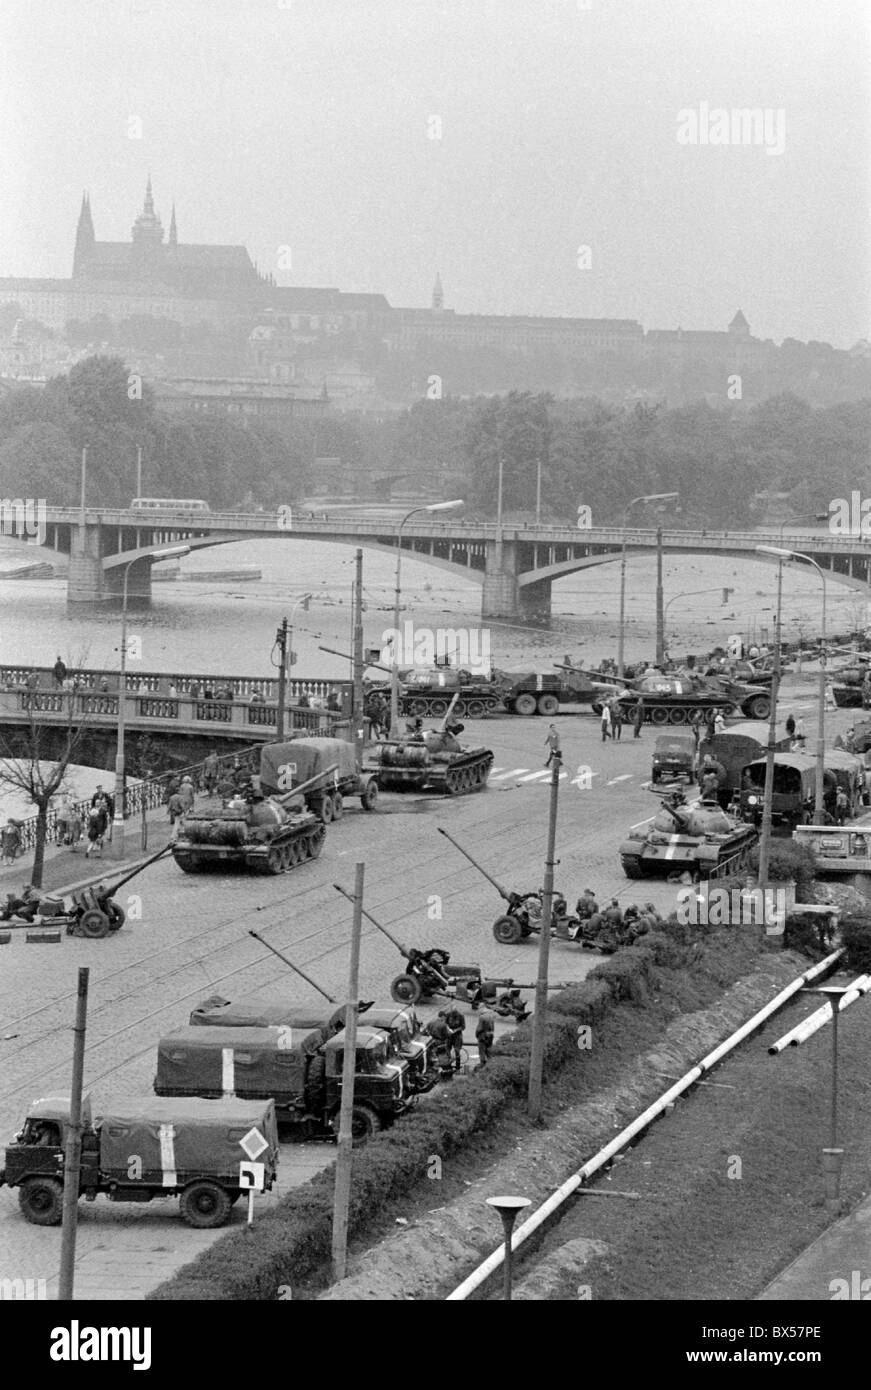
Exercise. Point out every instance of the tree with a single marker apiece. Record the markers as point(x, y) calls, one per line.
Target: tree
point(35, 759)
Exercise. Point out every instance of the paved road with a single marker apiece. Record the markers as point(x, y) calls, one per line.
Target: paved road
point(191, 940)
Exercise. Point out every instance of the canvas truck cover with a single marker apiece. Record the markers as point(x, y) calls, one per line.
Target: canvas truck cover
point(259, 1013)
point(284, 765)
point(215, 1061)
point(188, 1136)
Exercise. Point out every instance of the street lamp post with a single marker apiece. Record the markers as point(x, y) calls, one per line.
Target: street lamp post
point(646, 497)
point(509, 1208)
point(789, 556)
point(833, 1156)
point(168, 553)
point(394, 674)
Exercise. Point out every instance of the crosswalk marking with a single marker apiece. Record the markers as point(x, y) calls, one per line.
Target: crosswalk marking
point(624, 777)
point(533, 776)
point(503, 775)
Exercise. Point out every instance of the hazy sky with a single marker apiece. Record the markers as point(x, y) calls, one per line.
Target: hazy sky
point(307, 123)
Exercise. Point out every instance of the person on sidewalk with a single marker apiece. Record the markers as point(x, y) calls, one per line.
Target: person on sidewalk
point(606, 722)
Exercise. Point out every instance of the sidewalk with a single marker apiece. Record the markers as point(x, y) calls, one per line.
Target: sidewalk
point(63, 869)
point(842, 1253)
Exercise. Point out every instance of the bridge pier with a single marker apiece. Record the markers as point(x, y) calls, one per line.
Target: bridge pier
point(503, 595)
point(89, 582)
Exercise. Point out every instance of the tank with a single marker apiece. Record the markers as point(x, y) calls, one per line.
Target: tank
point(432, 760)
point(675, 699)
point(699, 837)
point(428, 690)
point(270, 835)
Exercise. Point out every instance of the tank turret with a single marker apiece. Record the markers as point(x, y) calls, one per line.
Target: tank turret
point(433, 760)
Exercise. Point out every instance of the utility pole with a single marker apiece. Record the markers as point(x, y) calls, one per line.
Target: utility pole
point(73, 1156)
point(342, 1198)
point(281, 642)
point(765, 829)
point(660, 613)
point(539, 1018)
point(359, 665)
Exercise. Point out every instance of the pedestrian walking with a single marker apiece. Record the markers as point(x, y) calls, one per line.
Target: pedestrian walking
point(790, 725)
point(175, 807)
point(210, 772)
point(616, 719)
point(638, 719)
point(63, 818)
point(187, 794)
point(606, 722)
point(456, 1024)
point(485, 1032)
point(10, 841)
point(719, 723)
point(553, 744)
point(97, 822)
point(104, 800)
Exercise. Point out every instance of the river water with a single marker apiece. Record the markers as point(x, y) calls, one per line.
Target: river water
point(228, 627)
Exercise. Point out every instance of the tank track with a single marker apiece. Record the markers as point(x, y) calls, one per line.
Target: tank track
point(667, 712)
point(471, 705)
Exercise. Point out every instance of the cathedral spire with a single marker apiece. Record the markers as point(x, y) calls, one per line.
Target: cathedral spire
point(148, 208)
point(438, 294)
point(85, 239)
point(173, 233)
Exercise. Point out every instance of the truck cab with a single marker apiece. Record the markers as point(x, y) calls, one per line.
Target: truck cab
point(381, 1090)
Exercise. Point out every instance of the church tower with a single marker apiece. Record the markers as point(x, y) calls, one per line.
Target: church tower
point(147, 235)
point(438, 295)
point(84, 239)
point(173, 233)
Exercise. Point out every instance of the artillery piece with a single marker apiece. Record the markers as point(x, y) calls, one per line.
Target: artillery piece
point(431, 760)
point(91, 911)
point(271, 835)
point(699, 838)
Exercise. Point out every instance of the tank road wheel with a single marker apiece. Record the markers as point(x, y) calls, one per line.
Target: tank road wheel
point(460, 709)
point(326, 809)
point(759, 707)
point(338, 805)
point(678, 716)
point(41, 1201)
point(405, 989)
point(476, 709)
point(315, 842)
point(369, 795)
point(438, 708)
point(93, 923)
point(204, 1205)
point(659, 715)
point(116, 916)
point(525, 704)
point(632, 868)
point(365, 1124)
point(548, 705)
point(507, 931)
point(419, 707)
point(274, 860)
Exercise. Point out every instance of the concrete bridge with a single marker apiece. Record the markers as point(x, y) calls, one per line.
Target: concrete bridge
point(514, 565)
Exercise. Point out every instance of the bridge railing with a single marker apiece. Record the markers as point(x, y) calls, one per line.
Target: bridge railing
point(183, 712)
point(104, 683)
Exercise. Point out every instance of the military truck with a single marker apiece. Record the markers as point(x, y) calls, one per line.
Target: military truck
point(530, 692)
point(270, 835)
point(299, 1068)
point(401, 1025)
point(328, 768)
point(144, 1148)
point(740, 745)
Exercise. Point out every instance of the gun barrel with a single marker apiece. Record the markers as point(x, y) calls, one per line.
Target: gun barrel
point(498, 886)
point(368, 915)
point(257, 937)
point(167, 849)
point(282, 797)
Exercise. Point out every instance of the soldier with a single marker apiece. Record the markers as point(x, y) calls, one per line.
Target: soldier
point(553, 744)
point(456, 1023)
point(638, 719)
point(485, 1031)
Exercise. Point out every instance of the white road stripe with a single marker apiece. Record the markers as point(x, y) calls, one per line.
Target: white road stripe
point(623, 778)
point(533, 776)
point(503, 776)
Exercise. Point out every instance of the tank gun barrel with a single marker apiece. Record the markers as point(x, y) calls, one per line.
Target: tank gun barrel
point(284, 797)
point(672, 811)
point(257, 937)
point(503, 893)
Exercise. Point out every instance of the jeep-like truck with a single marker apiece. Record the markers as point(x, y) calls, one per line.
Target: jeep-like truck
point(144, 1148)
point(299, 1068)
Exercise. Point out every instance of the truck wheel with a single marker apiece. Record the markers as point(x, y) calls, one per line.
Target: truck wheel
point(405, 989)
point(365, 1124)
point(204, 1205)
point(507, 930)
point(525, 704)
point(338, 805)
point(759, 707)
point(548, 705)
point(369, 796)
point(93, 923)
point(326, 810)
point(41, 1201)
point(116, 915)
